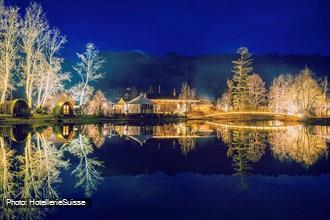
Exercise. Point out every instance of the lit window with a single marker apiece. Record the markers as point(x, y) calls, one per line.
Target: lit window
point(65, 130)
point(66, 109)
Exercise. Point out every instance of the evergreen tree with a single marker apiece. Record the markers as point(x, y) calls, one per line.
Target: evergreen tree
point(242, 69)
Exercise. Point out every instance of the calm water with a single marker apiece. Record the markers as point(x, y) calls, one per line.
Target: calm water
point(204, 170)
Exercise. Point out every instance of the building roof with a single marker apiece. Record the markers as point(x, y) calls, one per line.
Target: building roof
point(204, 103)
point(121, 102)
point(141, 100)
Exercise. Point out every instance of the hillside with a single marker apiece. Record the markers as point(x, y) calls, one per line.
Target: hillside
point(208, 73)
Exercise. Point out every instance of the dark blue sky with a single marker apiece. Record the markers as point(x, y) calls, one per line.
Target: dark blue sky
point(192, 26)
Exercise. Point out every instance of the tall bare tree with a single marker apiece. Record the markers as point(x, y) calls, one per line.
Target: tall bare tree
point(34, 27)
point(257, 92)
point(308, 92)
point(279, 94)
point(88, 69)
point(187, 93)
point(50, 79)
point(9, 29)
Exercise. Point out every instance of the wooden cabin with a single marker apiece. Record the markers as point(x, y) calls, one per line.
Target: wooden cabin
point(65, 109)
point(140, 105)
point(16, 108)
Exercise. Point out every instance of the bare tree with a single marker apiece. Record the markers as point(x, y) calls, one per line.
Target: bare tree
point(34, 27)
point(224, 103)
point(186, 94)
point(257, 92)
point(308, 93)
point(98, 104)
point(51, 79)
point(75, 93)
point(9, 29)
point(279, 94)
point(88, 69)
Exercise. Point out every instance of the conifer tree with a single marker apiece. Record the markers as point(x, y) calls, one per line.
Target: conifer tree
point(242, 69)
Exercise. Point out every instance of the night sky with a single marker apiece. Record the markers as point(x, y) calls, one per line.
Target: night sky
point(192, 27)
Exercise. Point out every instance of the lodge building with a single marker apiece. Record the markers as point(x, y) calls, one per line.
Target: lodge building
point(165, 105)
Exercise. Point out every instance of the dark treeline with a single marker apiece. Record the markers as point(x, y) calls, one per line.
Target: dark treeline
point(207, 73)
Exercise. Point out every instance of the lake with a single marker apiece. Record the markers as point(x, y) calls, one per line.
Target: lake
point(184, 170)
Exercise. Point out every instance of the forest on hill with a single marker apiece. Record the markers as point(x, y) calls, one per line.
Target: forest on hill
point(207, 73)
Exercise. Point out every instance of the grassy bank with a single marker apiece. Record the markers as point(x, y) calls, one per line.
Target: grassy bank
point(151, 119)
point(88, 119)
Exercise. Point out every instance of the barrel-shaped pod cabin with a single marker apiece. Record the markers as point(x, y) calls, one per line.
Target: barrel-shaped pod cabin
point(65, 132)
point(16, 133)
point(16, 108)
point(65, 109)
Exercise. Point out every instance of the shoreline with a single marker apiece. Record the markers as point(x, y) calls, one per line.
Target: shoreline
point(150, 119)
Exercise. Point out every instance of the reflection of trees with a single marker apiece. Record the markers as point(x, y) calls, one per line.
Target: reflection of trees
point(244, 147)
point(30, 175)
point(7, 184)
point(51, 161)
point(187, 141)
point(30, 170)
point(87, 171)
point(256, 145)
point(297, 144)
point(239, 153)
point(40, 167)
point(186, 144)
point(94, 132)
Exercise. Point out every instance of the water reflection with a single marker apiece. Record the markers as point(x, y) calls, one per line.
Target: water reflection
point(87, 172)
point(33, 159)
point(299, 144)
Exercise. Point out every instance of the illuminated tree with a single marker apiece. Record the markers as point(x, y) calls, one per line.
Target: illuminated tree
point(88, 69)
point(324, 99)
point(257, 92)
point(50, 79)
point(75, 93)
point(301, 94)
point(280, 96)
point(242, 69)
point(98, 105)
point(9, 33)
point(186, 94)
point(224, 102)
point(308, 92)
point(34, 27)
